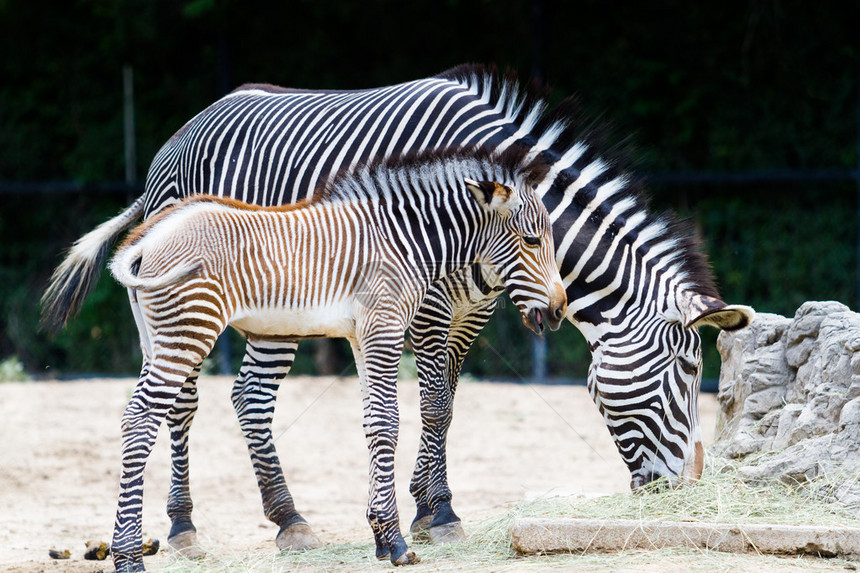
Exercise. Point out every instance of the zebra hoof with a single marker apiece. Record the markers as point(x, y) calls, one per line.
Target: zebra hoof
point(382, 553)
point(408, 558)
point(446, 533)
point(130, 568)
point(297, 537)
point(185, 544)
point(420, 529)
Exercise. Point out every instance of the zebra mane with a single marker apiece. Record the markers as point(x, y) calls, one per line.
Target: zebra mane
point(567, 134)
point(523, 105)
point(363, 180)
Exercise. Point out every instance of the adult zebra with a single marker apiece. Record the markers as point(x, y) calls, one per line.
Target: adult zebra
point(637, 286)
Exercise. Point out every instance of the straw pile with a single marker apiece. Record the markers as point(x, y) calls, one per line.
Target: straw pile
point(720, 497)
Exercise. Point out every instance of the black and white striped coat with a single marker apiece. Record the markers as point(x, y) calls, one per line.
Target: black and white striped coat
point(636, 284)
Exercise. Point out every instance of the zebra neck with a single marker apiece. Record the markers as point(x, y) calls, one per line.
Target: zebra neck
point(633, 312)
point(615, 257)
point(431, 245)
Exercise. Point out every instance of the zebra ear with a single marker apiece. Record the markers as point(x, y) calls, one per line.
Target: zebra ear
point(495, 196)
point(698, 310)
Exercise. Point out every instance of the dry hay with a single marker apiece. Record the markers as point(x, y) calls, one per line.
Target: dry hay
point(720, 497)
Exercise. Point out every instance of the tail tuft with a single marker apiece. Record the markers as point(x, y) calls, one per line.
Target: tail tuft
point(126, 263)
point(77, 275)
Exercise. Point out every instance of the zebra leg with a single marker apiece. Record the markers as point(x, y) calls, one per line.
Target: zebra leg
point(150, 403)
point(429, 335)
point(441, 337)
point(265, 365)
point(377, 356)
point(183, 534)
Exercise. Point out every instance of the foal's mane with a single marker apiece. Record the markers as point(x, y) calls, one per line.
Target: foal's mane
point(138, 232)
point(338, 187)
point(511, 163)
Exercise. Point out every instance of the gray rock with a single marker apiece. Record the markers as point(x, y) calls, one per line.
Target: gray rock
point(790, 398)
point(746, 374)
point(769, 424)
point(787, 417)
point(849, 417)
point(804, 329)
point(760, 403)
point(796, 464)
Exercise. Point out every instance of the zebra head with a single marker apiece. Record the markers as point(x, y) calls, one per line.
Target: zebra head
point(645, 376)
point(524, 254)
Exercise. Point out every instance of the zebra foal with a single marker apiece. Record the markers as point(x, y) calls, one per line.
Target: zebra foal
point(354, 261)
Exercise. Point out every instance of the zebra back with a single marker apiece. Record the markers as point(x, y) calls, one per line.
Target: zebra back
point(269, 146)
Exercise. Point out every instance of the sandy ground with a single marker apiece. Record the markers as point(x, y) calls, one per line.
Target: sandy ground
point(59, 461)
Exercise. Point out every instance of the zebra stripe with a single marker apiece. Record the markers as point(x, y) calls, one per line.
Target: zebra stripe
point(260, 137)
point(626, 271)
point(210, 263)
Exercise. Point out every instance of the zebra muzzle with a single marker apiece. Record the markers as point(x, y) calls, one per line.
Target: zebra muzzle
point(534, 320)
point(555, 315)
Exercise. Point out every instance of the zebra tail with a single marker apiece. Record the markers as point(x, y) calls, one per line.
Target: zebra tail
point(76, 276)
point(125, 264)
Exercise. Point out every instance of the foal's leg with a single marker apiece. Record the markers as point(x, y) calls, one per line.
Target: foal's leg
point(183, 534)
point(441, 337)
point(377, 355)
point(265, 365)
point(161, 381)
point(171, 359)
point(429, 335)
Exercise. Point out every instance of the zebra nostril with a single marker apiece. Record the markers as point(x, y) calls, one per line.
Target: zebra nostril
point(558, 312)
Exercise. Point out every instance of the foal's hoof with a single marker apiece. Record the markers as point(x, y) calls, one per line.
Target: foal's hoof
point(185, 544)
point(408, 558)
point(420, 529)
point(446, 533)
point(297, 537)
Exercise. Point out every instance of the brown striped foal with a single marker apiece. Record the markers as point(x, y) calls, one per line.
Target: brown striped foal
point(355, 261)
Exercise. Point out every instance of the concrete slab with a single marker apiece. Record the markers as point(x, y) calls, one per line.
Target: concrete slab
point(545, 535)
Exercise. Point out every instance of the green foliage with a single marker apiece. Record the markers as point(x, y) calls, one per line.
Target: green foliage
point(407, 369)
point(504, 349)
point(11, 370)
point(33, 231)
point(699, 87)
point(776, 255)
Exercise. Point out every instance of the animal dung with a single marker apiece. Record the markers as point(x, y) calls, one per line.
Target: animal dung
point(99, 550)
point(151, 546)
point(59, 553)
point(96, 551)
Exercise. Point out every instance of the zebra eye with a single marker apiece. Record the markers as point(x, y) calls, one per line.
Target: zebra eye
point(687, 366)
point(531, 241)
